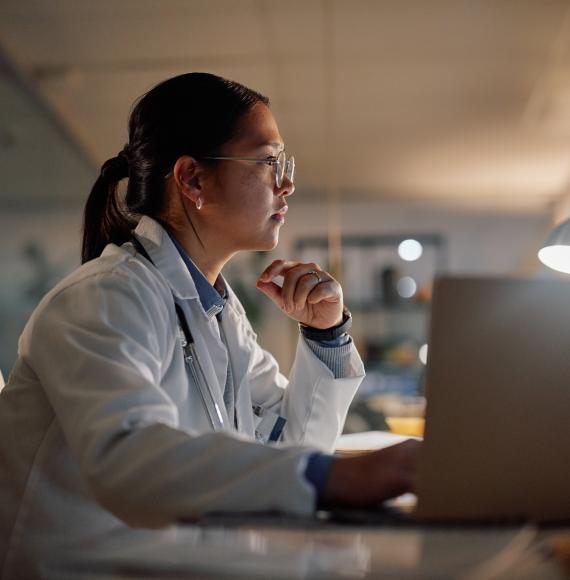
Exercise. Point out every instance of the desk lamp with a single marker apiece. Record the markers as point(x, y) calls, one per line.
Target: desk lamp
point(555, 253)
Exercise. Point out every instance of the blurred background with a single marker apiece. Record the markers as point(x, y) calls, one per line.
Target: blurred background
point(430, 137)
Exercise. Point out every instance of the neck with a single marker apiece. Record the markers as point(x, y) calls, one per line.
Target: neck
point(202, 245)
point(210, 266)
point(209, 262)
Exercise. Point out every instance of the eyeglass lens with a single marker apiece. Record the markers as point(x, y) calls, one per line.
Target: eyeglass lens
point(284, 167)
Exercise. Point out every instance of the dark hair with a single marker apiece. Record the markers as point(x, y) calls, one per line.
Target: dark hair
point(191, 114)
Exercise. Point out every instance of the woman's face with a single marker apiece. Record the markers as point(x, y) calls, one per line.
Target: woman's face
point(242, 203)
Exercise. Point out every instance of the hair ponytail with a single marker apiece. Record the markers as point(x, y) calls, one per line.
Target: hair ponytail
point(104, 219)
point(191, 114)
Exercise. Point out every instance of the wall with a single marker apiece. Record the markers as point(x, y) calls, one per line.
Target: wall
point(37, 249)
point(478, 242)
point(44, 179)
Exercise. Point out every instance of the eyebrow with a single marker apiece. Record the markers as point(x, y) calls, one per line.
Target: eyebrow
point(275, 144)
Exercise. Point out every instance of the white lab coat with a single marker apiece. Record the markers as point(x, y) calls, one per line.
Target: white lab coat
point(102, 430)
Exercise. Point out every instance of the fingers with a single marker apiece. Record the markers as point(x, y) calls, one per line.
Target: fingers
point(402, 458)
point(330, 290)
point(299, 280)
point(271, 290)
point(299, 284)
point(276, 268)
point(368, 479)
point(268, 287)
point(265, 281)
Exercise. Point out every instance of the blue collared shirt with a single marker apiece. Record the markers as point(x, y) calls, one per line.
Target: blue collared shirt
point(212, 299)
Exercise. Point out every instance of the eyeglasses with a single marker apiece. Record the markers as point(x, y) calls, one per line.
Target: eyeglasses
point(283, 166)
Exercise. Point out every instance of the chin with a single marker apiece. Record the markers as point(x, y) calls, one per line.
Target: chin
point(265, 245)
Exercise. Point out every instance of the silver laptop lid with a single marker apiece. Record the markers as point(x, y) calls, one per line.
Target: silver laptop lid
point(497, 441)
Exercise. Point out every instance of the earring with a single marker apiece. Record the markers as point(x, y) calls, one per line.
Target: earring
point(199, 203)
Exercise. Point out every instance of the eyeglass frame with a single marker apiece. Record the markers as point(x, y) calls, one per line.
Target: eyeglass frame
point(271, 160)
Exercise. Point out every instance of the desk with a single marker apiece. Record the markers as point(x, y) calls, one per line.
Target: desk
point(287, 548)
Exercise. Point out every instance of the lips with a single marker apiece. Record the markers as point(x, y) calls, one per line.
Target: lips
point(281, 213)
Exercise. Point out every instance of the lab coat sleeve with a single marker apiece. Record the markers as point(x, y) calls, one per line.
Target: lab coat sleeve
point(98, 348)
point(313, 401)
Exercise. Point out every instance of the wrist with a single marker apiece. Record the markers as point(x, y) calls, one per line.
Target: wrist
point(328, 333)
point(317, 472)
point(344, 480)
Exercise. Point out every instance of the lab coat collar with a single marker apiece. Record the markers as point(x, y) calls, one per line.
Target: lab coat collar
point(212, 298)
point(166, 258)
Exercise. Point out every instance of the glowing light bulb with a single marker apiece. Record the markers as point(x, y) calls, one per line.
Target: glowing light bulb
point(556, 257)
point(406, 287)
point(410, 250)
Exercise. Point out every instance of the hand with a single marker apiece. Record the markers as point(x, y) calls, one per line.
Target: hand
point(312, 299)
point(368, 479)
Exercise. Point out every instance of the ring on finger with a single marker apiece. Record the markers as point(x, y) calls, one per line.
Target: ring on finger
point(315, 273)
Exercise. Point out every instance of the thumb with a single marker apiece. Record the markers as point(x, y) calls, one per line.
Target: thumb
point(271, 290)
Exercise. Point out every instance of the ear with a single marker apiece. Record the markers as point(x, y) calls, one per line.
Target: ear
point(187, 174)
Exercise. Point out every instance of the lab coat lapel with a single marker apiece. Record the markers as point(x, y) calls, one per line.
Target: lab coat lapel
point(166, 258)
point(234, 329)
point(210, 350)
point(209, 346)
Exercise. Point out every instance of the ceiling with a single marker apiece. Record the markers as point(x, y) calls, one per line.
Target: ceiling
point(455, 102)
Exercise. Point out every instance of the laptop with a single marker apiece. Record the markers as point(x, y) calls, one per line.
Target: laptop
point(497, 437)
point(497, 434)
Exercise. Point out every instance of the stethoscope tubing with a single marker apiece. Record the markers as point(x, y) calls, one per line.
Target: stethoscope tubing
point(191, 359)
point(216, 418)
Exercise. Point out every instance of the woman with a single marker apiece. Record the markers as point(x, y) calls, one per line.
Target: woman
point(140, 397)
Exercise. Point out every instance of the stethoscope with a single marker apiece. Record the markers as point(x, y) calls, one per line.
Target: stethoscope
point(190, 357)
point(269, 425)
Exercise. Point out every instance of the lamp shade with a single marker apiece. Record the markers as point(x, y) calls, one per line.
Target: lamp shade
point(555, 253)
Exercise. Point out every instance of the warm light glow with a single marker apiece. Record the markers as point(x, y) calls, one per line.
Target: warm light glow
point(556, 257)
point(423, 353)
point(410, 250)
point(406, 287)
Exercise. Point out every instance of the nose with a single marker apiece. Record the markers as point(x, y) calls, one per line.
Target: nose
point(287, 188)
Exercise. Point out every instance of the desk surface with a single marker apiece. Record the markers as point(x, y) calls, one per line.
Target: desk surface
point(251, 548)
point(287, 548)
point(293, 549)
